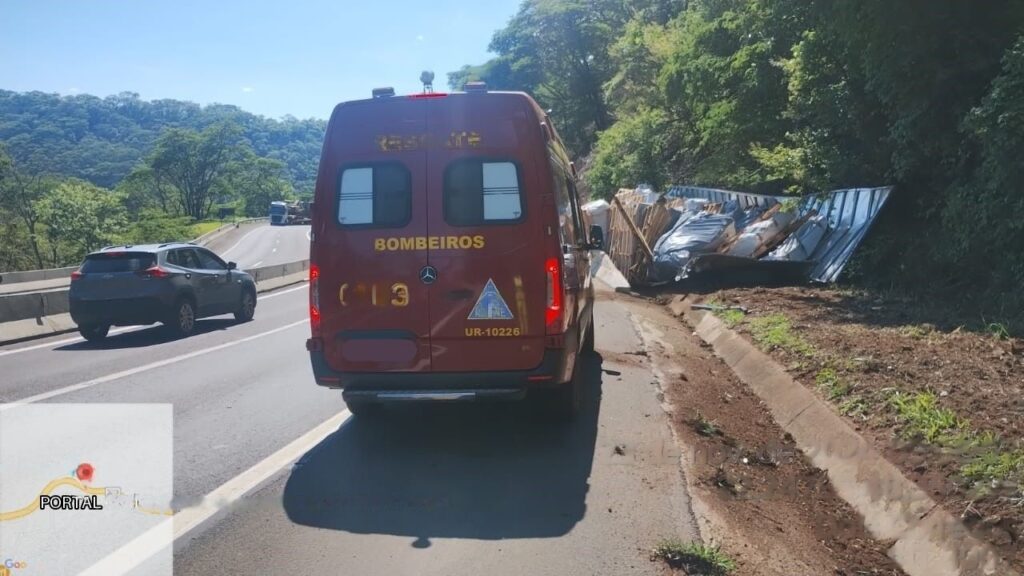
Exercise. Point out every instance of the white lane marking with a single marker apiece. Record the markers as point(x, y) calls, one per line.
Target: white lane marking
point(143, 547)
point(240, 240)
point(70, 340)
point(132, 371)
point(124, 328)
point(274, 250)
point(257, 265)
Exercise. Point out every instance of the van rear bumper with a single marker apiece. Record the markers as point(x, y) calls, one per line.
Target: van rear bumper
point(555, 368)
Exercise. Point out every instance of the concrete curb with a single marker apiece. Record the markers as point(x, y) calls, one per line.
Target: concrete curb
point(38, 327)
point(927, 540)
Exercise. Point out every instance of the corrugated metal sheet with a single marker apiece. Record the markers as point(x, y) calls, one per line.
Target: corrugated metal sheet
point(850, 213)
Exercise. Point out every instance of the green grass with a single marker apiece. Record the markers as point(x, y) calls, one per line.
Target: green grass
point(999, 330)
point(696, 559)
point(853, 406)
point(994, 465)
point(775, 332)
point(923, 417)
point(829, 382)
point(705, 427)
point(917, 332)
point(731, 317)
point(200, 228)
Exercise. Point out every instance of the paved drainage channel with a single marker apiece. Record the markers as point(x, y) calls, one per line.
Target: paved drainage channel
point(754, 493)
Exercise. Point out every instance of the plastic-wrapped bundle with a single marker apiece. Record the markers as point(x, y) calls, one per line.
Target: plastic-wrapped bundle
point(756, 235)
point(801, 244)
point(698, 234)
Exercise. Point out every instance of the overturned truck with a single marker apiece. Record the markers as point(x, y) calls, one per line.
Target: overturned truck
point(692, 232)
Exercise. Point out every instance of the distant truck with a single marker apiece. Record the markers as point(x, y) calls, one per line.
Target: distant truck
point(284, 213)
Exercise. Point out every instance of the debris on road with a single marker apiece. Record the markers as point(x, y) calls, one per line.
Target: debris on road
point(690, 232)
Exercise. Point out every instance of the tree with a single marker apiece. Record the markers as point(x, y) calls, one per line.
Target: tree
point(193, 162)
point(80, 217)
point(19, 193)
point(259, 181)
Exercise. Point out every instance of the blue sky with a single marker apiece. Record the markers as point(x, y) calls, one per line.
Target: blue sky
point(298, 57)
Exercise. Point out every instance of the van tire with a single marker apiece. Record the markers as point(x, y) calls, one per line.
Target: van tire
point(94, 332)
point(181, 321)
point(363, 409)
point(568, 398)
point(247, 306)
point(588, 338)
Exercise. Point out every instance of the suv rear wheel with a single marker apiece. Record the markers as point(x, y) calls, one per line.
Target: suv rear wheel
point(247, 308)
point(182, 320)
point(93, 332)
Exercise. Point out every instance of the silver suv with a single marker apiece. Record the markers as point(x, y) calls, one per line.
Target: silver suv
point(173, 283)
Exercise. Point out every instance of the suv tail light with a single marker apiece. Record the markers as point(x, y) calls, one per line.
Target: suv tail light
point(76, 275)
point(314, 299)
point(553, 310)
point(155, 272)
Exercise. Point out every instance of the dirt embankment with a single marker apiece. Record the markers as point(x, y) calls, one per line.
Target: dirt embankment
point(755, 493)
point(943, 401)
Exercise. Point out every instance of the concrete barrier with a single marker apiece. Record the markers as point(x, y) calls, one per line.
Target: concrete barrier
point(36, 275)
point(36, 314)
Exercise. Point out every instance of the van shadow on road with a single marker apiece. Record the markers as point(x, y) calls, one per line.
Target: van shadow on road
point(455, 471)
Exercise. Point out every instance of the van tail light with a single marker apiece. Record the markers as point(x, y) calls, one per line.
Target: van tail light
point(314, 299)
point(155, 272)
point(76, 275)
point(553, 311)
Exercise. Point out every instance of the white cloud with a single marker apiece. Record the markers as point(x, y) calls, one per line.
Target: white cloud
point(419, 38)
point(247, 89)
point(74, 90)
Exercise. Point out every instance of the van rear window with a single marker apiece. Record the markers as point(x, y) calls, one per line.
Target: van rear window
point(107, 262)
point(481, 191)
point(377, 195)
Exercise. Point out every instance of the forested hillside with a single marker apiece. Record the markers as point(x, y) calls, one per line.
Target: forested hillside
point(80, 172)
point(102, 139)
point(801, 95)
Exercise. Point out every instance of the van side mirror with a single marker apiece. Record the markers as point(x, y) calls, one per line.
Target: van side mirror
point(232, 266)
point(596, 237)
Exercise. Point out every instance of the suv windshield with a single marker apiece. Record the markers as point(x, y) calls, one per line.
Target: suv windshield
point(117, 262)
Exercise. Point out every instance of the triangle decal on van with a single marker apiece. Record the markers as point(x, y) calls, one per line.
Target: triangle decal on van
point(490, 305)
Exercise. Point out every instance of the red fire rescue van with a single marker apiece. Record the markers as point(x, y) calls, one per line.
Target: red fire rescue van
point(449, 256)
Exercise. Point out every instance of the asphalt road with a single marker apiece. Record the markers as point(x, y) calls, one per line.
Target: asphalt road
point(266, 245)
point(299, 487)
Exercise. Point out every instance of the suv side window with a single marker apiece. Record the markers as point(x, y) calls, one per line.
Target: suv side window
point(209, 261)
point(482, 191)
point(184, 257)
point(375, 195)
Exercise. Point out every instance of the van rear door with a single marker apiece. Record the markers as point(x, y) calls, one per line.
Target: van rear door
point(370, 238)
point(484, 221)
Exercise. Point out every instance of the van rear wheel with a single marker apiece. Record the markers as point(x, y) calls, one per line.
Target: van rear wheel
point(588, 338)
point(94, 333)
point(363, 409)
point(568, 398)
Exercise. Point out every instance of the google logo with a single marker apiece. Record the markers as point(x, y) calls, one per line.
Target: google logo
point(8, 564)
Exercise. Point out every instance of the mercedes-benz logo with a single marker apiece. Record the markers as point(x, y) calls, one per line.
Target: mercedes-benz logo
point(428, 274)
